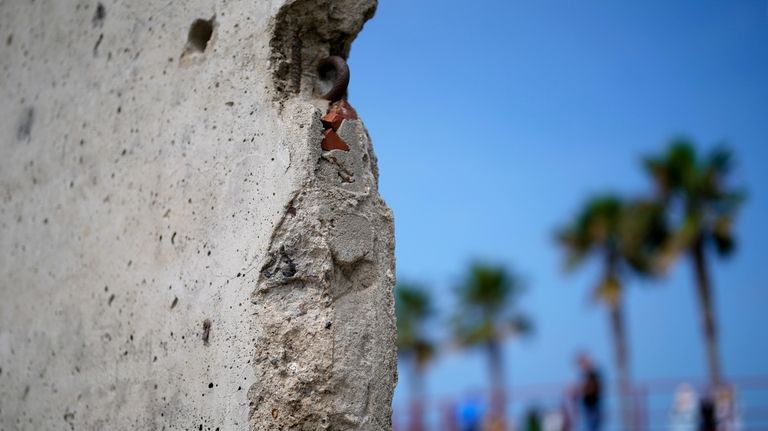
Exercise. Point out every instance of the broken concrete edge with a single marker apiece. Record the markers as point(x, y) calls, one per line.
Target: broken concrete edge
point(324, 314)
point(324, 306)
point(305, 31)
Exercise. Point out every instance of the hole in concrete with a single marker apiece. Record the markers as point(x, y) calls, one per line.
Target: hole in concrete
point(24, 126)
point(99, 15)
point(207, 334)
point(200, 33)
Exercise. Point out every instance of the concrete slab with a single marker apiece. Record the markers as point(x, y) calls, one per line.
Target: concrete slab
point(176, 251)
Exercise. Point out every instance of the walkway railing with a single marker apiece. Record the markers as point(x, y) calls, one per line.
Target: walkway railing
point(652, 404)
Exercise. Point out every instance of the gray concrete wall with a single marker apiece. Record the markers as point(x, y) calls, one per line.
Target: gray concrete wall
point(176, 250)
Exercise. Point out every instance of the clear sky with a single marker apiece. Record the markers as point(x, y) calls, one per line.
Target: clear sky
point(494, 120)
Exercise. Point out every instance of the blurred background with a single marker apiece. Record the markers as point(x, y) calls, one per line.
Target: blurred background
point(580, 209)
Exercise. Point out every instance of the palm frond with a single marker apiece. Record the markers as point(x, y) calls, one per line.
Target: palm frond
point(722, 236)
point(609, 291)
point(487, 296)
point(698, 186)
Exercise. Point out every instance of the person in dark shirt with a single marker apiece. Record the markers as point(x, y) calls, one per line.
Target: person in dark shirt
point(532, 420)
point(707, 415)
point(590, 393)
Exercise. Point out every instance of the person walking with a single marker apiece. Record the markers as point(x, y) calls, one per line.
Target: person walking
point(590, 393)
point(685, 414)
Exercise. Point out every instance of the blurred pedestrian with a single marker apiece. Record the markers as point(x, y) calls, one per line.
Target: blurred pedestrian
point(684, 415)
point(532, 420)
point(590, 393)
point(470, 412)
point(707, 416)
point(726, 412)
point(556, 420)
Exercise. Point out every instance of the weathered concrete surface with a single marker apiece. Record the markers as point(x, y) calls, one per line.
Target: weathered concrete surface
point(176, 251)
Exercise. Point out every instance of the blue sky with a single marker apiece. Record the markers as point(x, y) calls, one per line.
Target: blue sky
point(492, 122)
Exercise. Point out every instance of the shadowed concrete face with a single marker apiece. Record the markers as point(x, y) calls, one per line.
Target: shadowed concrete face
point(176, 250)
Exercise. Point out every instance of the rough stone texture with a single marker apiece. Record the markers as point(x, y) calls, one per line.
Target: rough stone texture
point(176, 251)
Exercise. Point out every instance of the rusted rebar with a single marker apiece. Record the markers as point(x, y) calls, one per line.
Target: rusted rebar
point(339, 89)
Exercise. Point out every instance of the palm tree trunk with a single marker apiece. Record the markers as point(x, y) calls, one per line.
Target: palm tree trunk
point(618, 332)
point(622, 364)
point(417, 396)
point(706, 308)
point(498, 383)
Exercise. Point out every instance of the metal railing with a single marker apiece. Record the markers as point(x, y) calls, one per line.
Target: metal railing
point(651, 407)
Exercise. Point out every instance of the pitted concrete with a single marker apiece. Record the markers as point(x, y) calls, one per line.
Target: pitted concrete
point(152, 181)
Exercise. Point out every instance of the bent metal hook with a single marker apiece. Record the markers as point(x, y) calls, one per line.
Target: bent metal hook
point(340, 84)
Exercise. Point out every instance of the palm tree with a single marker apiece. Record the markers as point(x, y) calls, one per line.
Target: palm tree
point(623, 236)
point(486, 315)
point(693, 189)
point(413, 308)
